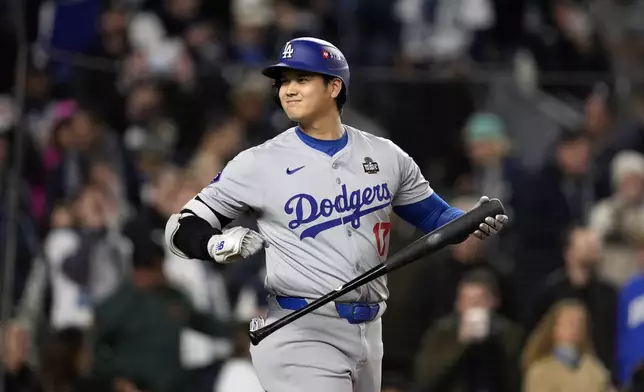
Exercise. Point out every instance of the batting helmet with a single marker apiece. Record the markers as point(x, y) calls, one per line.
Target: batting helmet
point(312, 55)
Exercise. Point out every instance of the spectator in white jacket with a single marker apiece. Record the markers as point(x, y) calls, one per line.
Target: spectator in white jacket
point(87, 259)
point(619, 219)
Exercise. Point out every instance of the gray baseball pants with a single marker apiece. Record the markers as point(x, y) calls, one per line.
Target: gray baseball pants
point(320, 352)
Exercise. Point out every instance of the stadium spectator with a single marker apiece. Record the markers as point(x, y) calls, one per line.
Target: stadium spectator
point(496, 171)
point(600, 124)
point(19, 377)
point(559, 354)
point(441, 32)
point(630, 325)
point(637, 380)
point(201, 281)
point(474, 348)
point(87, 258)
point(66, 362)
point(218, 144)
point(152, 134)
point(96, 86)
point(568, 42)
point(27, 228)
point(556, 196)
point(618, 219)
point(444, 273)
point(238, 374)
point(137, 330)
point(88, 142)
point(578, 280)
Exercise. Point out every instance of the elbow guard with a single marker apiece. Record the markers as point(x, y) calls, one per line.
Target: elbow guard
point(187, 236)
point(171, 228)
point(188, 232)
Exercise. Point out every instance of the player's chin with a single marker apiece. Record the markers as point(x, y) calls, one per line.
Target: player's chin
point(294, 115)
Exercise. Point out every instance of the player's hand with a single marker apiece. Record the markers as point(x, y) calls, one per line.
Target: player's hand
point(492, 225)
point(234, 243)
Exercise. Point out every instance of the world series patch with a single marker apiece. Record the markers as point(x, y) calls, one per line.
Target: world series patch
point(370, 167)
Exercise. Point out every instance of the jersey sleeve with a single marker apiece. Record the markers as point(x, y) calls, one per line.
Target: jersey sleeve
point(413, 185)
point(236, 189)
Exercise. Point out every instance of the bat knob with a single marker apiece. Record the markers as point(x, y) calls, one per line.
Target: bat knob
point(255, 325)
point(254, 339)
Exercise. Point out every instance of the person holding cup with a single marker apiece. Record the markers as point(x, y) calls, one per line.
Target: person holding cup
point(474, 348)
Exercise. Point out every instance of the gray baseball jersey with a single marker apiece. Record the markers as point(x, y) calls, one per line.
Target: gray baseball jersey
point(326, 218)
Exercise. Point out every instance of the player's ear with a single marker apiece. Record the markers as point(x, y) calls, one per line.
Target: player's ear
point(335, 86)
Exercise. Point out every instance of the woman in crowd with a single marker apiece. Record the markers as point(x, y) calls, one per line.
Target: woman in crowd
point(559, 355)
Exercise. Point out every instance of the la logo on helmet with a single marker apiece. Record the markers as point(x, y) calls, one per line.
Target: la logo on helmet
point(288, 51)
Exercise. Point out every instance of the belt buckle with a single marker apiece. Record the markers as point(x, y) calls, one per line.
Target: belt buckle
point(361, 313)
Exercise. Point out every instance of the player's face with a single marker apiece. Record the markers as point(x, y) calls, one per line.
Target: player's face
point(306, 96)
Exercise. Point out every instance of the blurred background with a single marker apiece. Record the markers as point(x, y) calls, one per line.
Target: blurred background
point(114, 113)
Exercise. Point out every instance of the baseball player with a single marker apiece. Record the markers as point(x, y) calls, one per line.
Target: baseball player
point(323, 194)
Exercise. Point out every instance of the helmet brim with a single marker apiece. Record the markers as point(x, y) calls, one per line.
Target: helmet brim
point(275, 71)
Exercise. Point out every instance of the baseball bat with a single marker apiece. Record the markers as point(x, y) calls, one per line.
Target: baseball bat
point(453, 232)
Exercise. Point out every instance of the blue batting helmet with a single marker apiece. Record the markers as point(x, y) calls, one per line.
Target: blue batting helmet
point(311, 55)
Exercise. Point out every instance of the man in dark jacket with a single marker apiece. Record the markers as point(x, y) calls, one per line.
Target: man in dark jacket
point(137, 335)
point(554, 198)
point(578, 280)
point(473, 349)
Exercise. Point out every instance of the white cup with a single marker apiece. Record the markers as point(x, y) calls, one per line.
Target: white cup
point(478, 320)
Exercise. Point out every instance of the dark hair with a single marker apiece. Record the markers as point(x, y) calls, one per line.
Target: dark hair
point(57, 128)
point(604, 92)
point(147, 252)
point(341, 99)
point(571, 135)
point(567, 234)
point(481, 277)
point(59, 358)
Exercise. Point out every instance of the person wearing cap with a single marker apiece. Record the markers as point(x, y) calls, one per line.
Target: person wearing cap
point(618, 220)
point(494, 171)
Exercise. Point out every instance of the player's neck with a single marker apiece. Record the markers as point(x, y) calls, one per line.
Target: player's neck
point(324, 128)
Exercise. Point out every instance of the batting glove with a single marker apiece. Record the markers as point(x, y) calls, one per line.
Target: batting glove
point(492, 225)
point(233, 243)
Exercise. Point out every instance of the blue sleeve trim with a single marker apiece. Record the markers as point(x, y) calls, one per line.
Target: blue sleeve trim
point(428, 214)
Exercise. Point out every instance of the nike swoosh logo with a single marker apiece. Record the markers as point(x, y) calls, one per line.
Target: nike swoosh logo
point(289, 171)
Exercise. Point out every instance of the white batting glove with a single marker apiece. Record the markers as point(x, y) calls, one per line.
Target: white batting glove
point(492, 225)
point(235, 242)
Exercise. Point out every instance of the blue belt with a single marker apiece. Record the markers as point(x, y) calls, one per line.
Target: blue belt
point(355, 313)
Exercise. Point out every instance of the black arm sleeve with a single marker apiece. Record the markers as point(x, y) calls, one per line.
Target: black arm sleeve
point(192, 237)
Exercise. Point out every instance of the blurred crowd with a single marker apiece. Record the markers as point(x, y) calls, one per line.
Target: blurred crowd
point(133, 106)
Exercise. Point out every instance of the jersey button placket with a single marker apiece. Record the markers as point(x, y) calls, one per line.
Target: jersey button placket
point(348, 228)
point(338, 181)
